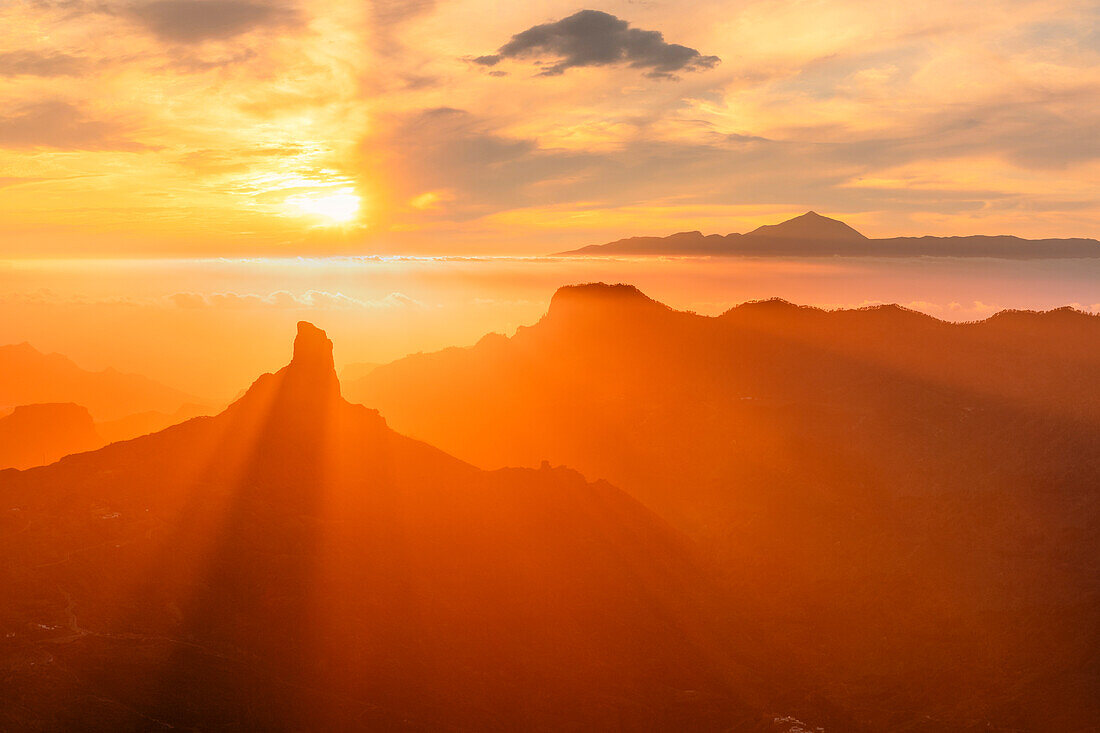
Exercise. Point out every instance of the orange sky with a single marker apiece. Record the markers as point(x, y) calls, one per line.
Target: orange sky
point(208, 127)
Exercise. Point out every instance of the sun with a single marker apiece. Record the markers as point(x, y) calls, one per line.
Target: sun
point(340, 207)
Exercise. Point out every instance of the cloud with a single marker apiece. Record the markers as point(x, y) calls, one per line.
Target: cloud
point(490, 170)
point(284, 299)
point(595, 38)
point(188, 300)
point(61, 125)
point(195, 21)
point(35, 63)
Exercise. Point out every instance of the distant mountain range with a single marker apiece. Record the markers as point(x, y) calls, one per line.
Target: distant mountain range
point(914, 502)
point(29, 376)
point(813, 235)
point(50, 407)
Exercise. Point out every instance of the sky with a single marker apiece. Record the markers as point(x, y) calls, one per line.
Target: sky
point(200, 128)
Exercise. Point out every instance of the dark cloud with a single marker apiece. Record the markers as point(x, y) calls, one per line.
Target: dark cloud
point(60, 125)
point(194, 21)
point(35, 63)
point(595, 38)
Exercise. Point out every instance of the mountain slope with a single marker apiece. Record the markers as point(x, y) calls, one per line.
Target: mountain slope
point(813, 235)
point(293, 563)
point(913, 502)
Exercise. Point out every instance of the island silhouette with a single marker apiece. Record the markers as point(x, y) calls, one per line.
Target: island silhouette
point(814, 235)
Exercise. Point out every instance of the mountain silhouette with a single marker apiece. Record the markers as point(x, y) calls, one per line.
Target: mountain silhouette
point(33, 435)
point(813, 235)
point(292, 563)
point(912, 501)
point(152, 421)
point(28, 376)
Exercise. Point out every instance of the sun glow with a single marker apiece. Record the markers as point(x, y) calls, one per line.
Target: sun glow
point(340, 207)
